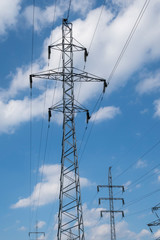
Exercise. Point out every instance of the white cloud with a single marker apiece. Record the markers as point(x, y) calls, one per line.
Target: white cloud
point(46, 191)
point(149, 84)
point(109, 39)
point(40, 224)
point(157, 108)
point(82, 6)
point(126, 185)
point(105, 113)
point(157, 234)
point(43, 17)
point(22, 228)
point(144, 111)
point(9, 10)
point(97, 228)
point(141, 164)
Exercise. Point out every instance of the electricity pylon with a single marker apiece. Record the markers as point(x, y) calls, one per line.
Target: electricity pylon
point(111, 203)
point(70, 217)
point(155, 223)
point(37, 235)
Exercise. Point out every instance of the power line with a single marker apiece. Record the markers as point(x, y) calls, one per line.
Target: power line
point(96, 25)
point(142, 156)
point(129, 39)
point(30, 140)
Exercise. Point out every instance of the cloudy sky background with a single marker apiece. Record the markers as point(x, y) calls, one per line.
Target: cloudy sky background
point(124, 128)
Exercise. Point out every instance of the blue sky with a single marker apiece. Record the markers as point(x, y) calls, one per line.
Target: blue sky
point(123, 131)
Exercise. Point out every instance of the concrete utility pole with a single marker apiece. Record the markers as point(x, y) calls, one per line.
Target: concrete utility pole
point(70, 217)
point(111, 203)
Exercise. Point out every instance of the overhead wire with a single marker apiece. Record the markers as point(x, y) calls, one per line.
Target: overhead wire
point(129, 39)
point(42, 127)
point(99, 100)
point(30, 140)
point(68, 13)
point(42, 172)
point(141, 157)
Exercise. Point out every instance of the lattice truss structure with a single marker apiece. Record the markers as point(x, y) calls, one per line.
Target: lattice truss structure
point(70, 217)
point(155, 223)
point(111, 200)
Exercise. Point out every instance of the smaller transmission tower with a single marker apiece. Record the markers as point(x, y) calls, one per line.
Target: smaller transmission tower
point(155, 223)
point(36, 235)
point(111, 203)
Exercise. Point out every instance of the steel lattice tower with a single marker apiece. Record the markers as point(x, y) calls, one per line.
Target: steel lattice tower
point(70, 217)
point(111, 203)
point(155, 223)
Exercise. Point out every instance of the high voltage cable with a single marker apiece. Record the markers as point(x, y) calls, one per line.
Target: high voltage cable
point(141, 198)
point(30, 167)
point(142, 156)
point(129, 39)
point(133, 145)
point(44, 159)
point(42, 124)
point(96, 26)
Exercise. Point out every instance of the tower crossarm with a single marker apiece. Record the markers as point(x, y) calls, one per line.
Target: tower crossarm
point(105, 199)
point(77, 76)
point(111, 212)
point(110, 186)
point(154, 223)
point(155, 208)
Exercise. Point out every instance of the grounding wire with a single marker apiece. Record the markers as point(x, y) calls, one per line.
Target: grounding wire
point(69, 8)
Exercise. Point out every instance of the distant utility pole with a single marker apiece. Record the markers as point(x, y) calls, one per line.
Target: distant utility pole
point(36, 235)
point(155, 223)
point(111, 203)
point(70, 216)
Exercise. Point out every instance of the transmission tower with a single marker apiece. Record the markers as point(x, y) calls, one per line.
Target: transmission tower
point(111, 203)
point(155, 223)
point(36, 235)
point(70, 217)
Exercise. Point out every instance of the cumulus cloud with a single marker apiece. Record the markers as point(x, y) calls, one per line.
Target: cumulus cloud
point(97, 228)
point(40, 224)
point(157, 234)
point(149, 84)
point(105, 113)
point(45, 16)
point(108, 41)
point(46, 191)
point(141, 164)
point(9, 11)
point(22, 228)
point(157, 108)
